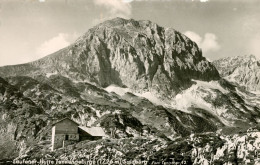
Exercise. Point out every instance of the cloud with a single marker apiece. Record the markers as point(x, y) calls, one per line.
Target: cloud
point(193, 36)
point(54, 44)
point(116, 7)
point(207, 44)
point(122, 8)
point(210, 43)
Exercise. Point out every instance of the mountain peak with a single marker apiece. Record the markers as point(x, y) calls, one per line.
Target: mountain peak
point(137, 54)
point(114, 22)
point(121, 22)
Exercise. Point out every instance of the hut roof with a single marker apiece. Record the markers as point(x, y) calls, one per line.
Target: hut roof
point(63, 120)
point(93, 131)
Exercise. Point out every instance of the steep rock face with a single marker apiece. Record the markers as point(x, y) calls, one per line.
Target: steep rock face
point(243, 70)
point(138, 54)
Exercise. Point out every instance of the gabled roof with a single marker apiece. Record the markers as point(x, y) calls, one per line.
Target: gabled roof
point(63, 120)
point(93, 131)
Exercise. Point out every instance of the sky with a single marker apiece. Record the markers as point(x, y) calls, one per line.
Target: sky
point(32, 29)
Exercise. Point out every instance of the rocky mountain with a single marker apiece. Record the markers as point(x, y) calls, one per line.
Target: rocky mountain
point(147, 86)
point(139, 55)
point(243, 70)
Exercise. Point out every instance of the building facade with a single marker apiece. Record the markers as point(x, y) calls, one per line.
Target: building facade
point(67, 131)
point(64, 132)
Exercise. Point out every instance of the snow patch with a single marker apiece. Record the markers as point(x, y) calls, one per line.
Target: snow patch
point(255, 92)
point(118, 90)
point(50, 74)
point(189, 98)
point(211, 85)
point(148, 95)
point(151, 98)
point(194, 97)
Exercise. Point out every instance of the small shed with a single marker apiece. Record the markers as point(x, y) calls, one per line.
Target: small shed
point(64, 132)
point(67, 131)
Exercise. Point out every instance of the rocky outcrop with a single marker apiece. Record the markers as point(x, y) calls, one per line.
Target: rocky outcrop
point(197, 149)
point(20, 120)
point(243, 70)
point(241, 148)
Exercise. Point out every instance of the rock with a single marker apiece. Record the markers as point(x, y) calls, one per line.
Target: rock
point(140, 55)
point(243, 70)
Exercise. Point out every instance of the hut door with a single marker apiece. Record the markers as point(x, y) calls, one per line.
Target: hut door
point(66, 137)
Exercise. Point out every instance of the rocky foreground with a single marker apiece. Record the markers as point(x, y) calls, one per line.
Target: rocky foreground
point(206, 148)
